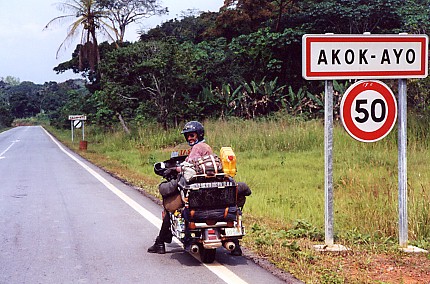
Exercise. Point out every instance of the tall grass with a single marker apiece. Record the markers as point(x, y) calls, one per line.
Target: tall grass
point(282, 160)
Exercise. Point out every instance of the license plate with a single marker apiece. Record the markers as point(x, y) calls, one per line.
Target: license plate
point(233, 232)
point(211, 184)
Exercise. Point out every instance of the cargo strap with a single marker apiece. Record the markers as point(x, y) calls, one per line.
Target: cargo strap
point(214, 163)
point(226, 212)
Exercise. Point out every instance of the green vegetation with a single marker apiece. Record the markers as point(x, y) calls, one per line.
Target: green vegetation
point(242, 61)
point(282, 159)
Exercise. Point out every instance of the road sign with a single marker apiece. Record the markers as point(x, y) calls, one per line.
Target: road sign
point(329, 56)
point(368, 110)
point(77, 123)
point(78, 117)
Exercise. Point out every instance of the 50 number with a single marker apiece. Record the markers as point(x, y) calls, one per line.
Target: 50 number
point(360, 107)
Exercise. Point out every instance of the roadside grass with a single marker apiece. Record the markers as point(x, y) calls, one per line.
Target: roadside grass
point(282, 160)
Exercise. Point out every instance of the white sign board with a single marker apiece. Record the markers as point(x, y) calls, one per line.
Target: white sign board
point(78, 117)
point(368, 110)
point(329, 56)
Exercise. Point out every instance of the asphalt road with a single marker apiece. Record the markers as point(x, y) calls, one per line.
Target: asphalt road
point(63, 220)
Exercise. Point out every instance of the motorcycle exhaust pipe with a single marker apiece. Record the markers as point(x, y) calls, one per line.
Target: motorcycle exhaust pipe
point(229, 246)
point(194, 248)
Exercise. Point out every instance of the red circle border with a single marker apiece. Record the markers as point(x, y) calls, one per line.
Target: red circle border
point(349, 98)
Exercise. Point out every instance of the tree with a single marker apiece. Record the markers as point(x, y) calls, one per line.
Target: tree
point(190, 28)
point(152, 80)
point(10, 80)
point(6, 117)
point(22, 99)
point(90, 20)
point(242, 17)
point(415, 16)
point(284, 7)
point(351, 16)
point(124, 12)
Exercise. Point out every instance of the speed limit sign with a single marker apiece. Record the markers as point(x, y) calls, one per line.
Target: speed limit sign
point(368, 110)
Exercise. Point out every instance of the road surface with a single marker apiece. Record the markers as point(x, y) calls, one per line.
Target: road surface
point(63, 220)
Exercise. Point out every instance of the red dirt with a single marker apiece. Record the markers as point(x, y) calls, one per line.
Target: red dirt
point(386, 268)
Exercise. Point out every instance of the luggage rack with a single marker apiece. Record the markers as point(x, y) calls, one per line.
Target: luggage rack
point(205, 177)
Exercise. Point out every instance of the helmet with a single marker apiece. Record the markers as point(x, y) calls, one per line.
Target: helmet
point(160, 168)
point(194, 126)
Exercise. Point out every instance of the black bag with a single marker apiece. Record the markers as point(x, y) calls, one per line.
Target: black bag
point(168, 188)
point(212, 197)
point(243, 189)
point(173, 202)
point(172, 199)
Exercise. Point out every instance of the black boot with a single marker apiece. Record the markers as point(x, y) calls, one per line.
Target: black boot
point(158, 247)
point(237, 250)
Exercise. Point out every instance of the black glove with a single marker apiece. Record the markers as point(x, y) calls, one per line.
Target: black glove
point(170, 173)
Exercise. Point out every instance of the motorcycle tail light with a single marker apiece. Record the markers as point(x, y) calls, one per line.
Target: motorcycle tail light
point(230, 224)
point(230, 157)
point(211, 231)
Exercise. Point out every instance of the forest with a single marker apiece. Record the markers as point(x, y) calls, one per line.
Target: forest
point(242, 61)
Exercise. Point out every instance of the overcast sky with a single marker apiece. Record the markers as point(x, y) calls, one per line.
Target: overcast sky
point(28, 52)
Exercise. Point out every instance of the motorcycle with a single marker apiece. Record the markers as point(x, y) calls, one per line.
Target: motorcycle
point(209, 215)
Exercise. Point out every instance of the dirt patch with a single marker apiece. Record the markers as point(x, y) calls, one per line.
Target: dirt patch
point(365, 267)
point(406, 269)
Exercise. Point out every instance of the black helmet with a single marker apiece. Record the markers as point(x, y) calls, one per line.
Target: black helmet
point(194, 126)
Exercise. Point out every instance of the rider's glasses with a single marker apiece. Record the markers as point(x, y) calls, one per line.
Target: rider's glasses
point(191, 135)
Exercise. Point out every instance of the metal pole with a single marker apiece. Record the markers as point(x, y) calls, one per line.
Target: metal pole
point(328, 162)
point(402, 143)
point(71, 125)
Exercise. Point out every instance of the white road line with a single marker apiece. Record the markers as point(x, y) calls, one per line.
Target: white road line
point(7, 149)
point(221, 271)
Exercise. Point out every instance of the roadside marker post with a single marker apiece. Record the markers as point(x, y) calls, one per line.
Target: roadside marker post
point(78, 121)
point(330, 57)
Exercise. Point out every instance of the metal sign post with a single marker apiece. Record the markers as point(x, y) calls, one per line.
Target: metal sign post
point(331, 57)
point(328, 163)
point(71, 126)
point(402, 141)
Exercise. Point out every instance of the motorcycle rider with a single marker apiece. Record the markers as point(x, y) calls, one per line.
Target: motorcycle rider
point(194, 133)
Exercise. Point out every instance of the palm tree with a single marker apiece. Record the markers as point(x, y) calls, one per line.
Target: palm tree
point(90, 20)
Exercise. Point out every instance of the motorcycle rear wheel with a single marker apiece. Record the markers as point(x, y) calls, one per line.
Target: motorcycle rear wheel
point(207, 255)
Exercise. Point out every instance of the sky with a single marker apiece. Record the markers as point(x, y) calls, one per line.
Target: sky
point(28, 51)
